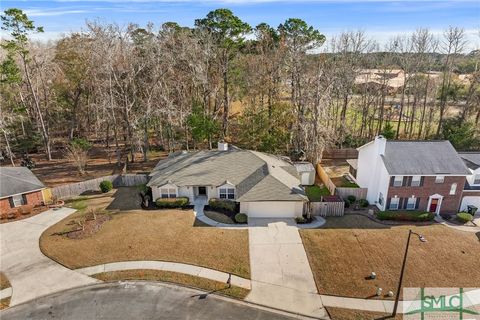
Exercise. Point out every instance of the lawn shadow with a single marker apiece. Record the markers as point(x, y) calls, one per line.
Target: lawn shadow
point(478, 235)
point(125, 199)
point(202, 296)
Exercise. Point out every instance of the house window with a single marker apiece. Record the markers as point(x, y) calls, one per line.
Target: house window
point(416, 181)
point(18, 200)
point(227, 193)
point(168, 192)
point(394, 203)
point(439, 179)
point(476, 179)
point(411, 203)
point(453, 189)
point(398, 181)
point(380, 199)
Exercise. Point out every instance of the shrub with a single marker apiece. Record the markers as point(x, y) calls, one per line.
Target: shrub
point(363, 203)
point(405, 215)
point(241, 218)
point(172, 202)
point(464, 217)
point(222, 205)
point(347, 203)
point(300, 220)
point(106, 185)
point(26, 209)
point(351, 198)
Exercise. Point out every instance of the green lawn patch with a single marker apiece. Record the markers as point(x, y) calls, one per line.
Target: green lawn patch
point(405, 215)
point(315, 193)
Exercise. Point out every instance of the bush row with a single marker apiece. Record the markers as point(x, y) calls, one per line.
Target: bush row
point(180, 202)
point(405, 215)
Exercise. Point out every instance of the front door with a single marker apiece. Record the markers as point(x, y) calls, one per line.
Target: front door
point(202, 191)
point(433, 205)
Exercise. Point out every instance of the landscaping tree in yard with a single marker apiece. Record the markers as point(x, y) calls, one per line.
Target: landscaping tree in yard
point(228, 31)
point(77, 151)
point(462, 135)
point(203, 127)
point(20, 27)
point(388, 132)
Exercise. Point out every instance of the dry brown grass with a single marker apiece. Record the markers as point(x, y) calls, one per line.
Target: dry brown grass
point(4, 303)
point(348, 314)
point(4, 283)
point(344, 252)
point(175, 277)
point(168, 235)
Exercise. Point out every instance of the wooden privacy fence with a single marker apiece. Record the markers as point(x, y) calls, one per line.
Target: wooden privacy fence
point(76, 189)
point(325, 179)
point(359, 193)
point(340, 153)
point(327, 209)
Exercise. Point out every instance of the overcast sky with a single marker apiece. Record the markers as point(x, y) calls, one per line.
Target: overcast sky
point(380, 19)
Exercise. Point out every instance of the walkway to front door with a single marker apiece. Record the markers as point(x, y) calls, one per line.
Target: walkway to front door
point(280, 272)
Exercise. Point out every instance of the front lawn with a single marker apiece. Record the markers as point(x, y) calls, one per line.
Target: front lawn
point(344, 252)
point(168, 235)
point(4, 283)
point(175, 277)
point(315, 193)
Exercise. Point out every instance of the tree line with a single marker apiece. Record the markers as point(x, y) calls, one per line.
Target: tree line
point(284, 89)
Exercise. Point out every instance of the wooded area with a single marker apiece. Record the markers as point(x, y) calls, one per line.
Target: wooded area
point(284, 89)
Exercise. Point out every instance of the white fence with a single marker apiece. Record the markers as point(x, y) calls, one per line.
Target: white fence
point(327, 209)
point(76, 189)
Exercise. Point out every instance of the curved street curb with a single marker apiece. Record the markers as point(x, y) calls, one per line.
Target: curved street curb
point(6, 293)
point(189, 269)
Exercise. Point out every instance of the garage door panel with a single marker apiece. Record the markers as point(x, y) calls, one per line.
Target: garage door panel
point(270, 209)
point(470, 200)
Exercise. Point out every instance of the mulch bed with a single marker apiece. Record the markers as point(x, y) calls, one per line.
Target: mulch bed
point(90, 227)
point(391, 222)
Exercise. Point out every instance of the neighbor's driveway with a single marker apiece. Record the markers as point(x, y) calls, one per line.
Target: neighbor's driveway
point(280, 272)
point(30, 273)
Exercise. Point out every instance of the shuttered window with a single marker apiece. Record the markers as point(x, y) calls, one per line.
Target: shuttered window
point(18, 200)
point(476, 179)
point(394, 203)
point(411, 203)
point(416, 180)
point(168, 192)
point(398, 181)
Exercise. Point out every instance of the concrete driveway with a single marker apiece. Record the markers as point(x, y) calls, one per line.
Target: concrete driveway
point(137, 300)
point(30, 273)
point(280, 272)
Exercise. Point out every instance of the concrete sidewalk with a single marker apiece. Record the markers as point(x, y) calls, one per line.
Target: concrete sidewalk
point(30, 273)
point(446, 223)
point(281, 275)
point(168, 266)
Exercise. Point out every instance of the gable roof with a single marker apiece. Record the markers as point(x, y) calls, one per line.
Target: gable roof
point(471, 159)
point(422, 158)
point(18, 180)
point(271, 177)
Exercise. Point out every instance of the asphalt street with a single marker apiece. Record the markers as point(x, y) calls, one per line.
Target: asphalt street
point(136, 300)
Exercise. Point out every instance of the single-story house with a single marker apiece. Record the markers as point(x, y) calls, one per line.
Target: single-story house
point(263, 184)
point(18, 187)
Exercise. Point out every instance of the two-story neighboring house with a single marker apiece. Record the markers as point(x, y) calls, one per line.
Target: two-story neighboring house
point(471, 191)
point(412, 175)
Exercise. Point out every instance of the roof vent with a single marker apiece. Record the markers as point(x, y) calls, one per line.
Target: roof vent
point(222, 146)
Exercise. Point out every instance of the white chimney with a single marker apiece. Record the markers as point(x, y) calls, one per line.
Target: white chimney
point(222, 146)
point(381, 143)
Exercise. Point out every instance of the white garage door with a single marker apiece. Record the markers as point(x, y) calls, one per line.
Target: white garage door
point(274, 209)
point(470, 200)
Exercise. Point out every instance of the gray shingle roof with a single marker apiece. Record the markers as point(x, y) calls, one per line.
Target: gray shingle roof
point(18, 180)
point(471, 159)
point(422, 158)
point(257, 176)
